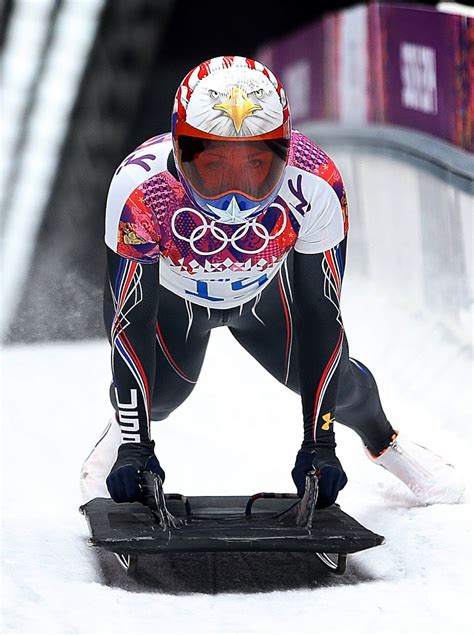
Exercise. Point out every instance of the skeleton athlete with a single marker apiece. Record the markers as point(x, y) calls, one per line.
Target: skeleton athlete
point(234, 219)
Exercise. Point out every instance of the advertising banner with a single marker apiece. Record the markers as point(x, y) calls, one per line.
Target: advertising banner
point(422, 67)
point(298, 61)
point(394, 64)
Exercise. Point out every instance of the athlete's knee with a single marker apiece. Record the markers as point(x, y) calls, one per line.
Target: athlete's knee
point(161, 412)
point(164, 403)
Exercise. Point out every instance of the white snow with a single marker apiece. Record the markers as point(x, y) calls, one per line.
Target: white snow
point(238, 433)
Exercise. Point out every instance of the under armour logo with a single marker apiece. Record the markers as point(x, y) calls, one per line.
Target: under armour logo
point(327, 421)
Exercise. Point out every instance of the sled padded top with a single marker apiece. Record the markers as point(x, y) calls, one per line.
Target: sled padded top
point(219, 523)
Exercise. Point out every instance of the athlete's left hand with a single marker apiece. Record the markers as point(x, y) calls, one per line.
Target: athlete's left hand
point(331, 476)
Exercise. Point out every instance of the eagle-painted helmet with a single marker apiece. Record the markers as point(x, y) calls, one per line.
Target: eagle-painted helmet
point(231, 137)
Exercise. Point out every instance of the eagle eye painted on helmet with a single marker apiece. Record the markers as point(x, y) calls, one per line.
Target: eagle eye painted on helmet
point(231, 137)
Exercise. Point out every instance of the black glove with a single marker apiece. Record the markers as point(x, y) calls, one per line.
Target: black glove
point(123, 482)
point(331, 476)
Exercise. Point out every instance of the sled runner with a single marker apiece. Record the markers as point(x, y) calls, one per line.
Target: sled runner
point(263, 522)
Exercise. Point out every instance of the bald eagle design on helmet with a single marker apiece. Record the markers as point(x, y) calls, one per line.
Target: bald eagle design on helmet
point(231, 136)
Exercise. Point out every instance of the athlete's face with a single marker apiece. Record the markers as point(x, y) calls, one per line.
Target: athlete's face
point(231, 165)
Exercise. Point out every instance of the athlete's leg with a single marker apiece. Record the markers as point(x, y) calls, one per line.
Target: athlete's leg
point(265, 329)
point(358, 404)
point(183, 331)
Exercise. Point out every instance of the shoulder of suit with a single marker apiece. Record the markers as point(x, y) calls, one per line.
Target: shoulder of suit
point(306, 155)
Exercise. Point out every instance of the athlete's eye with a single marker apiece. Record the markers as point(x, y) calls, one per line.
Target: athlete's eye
point(211, 165)
point(255, 163)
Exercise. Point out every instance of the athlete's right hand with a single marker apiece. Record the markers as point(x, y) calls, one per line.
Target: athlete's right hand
point(123, 482)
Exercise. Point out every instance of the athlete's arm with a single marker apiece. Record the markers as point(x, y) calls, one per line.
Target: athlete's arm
point(134, 288)
point(132, 232)
point(319, 335)
point(317, 191)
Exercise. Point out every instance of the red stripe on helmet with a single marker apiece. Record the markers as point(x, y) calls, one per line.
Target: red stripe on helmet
point(204, 70)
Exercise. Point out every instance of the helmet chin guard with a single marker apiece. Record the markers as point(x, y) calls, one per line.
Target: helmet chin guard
point(231, 137)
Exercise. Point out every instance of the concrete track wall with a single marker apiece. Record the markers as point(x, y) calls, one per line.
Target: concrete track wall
point(411, 209)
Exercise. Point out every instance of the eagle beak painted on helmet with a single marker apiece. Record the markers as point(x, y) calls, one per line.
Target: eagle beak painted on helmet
point(237, 106)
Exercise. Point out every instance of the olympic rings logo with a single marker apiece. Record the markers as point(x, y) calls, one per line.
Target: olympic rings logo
point(249, 225)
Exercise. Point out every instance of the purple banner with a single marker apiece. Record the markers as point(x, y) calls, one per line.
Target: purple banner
point(298, 61)
point(420, 70)
point(406, 65)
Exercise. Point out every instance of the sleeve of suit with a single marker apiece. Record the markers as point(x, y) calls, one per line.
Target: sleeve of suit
point(134, 288)
point(319, 338)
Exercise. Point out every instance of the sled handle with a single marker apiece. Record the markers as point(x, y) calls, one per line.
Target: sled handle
point(183, 499)
point(154, 498)
point(255, 497)
point(302, 512)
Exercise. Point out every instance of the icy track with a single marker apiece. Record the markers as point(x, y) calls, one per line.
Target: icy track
point(237, 434)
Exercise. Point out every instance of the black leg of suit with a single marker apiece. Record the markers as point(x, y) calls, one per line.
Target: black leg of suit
point(265, 330)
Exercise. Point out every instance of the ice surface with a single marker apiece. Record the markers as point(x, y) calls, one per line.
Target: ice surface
point(238, 433)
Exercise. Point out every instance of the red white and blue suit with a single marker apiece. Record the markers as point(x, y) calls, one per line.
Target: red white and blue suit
point(274, 280)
